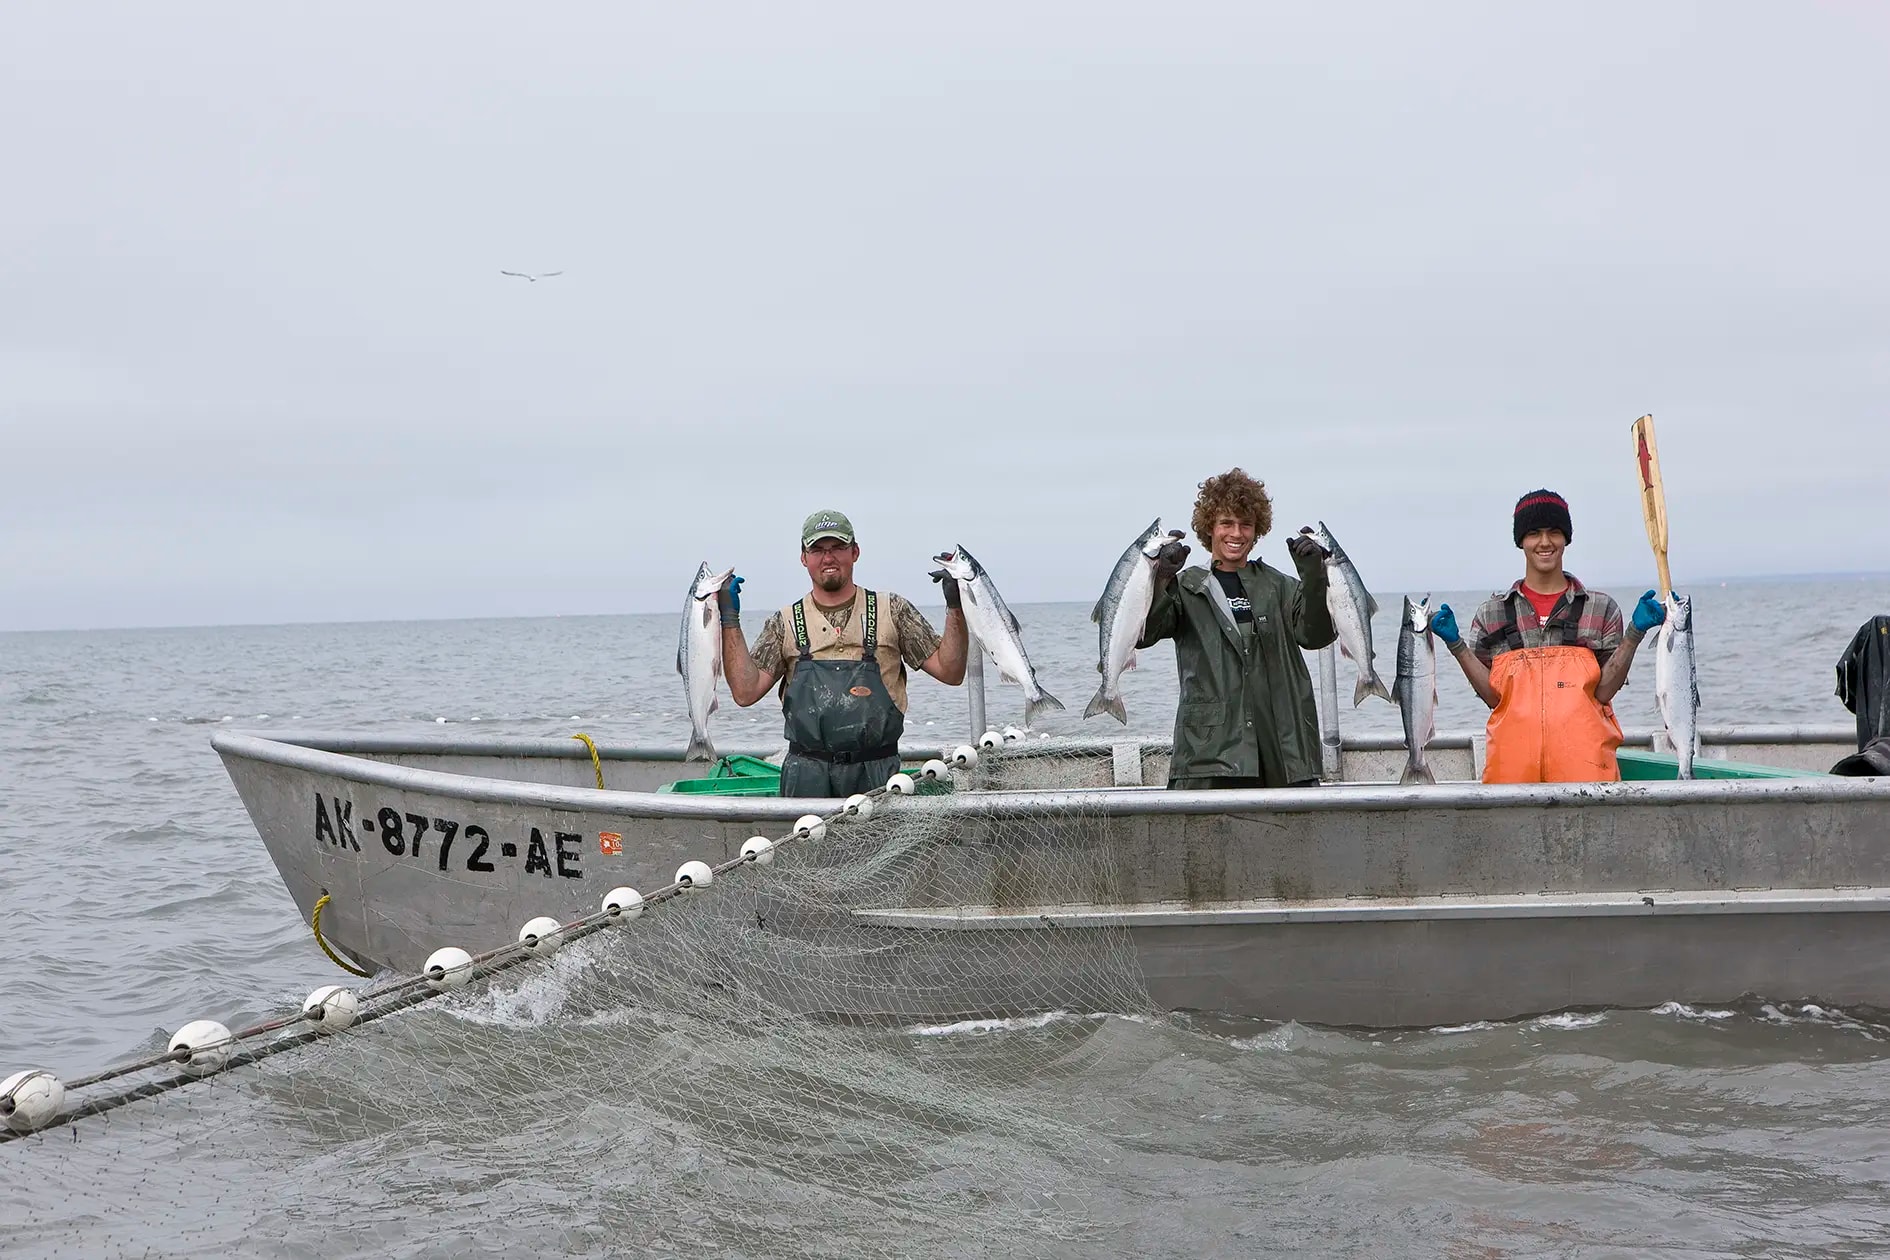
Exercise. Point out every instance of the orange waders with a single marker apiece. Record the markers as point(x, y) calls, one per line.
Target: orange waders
point(1548, 727)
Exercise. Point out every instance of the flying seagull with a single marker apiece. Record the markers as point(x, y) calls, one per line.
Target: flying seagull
point(533, 279)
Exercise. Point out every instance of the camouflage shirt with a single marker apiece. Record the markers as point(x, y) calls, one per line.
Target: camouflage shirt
point(911, 633)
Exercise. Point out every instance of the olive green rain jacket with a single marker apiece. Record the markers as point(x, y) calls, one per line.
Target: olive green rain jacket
point(1246, 701)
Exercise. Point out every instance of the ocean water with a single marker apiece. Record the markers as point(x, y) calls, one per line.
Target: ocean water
point(134, 896)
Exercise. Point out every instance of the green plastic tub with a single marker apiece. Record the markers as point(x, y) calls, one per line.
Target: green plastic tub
point(1639, 764)
point(740, 775)
point(737, 775)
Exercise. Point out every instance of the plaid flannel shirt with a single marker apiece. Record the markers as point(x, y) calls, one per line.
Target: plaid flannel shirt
point(1598, 629)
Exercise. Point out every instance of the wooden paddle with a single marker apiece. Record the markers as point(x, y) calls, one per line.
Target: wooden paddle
point(1653, 497)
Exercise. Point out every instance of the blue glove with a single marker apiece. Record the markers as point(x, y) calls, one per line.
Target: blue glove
point(1444, 625)
point(730, 599)
point(1649, 613)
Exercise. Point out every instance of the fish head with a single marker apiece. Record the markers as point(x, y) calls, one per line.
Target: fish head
point(1156, 538)
point(1417, 613)
point(1323, 537)
point(1680, 612)
point(708, 582)
point(959, 563)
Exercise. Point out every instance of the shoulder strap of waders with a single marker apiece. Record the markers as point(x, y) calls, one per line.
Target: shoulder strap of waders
point(1509, 634)
point(1564, 626)
point(869, 624)
point(801, 641)
point(1567, 620)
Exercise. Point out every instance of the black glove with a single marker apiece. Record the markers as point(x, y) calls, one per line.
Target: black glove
point(1306, 553)
point(1168, 562)
point(728, 601)
point(948, 587)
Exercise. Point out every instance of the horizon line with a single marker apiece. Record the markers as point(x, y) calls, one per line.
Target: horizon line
point(1859, 574)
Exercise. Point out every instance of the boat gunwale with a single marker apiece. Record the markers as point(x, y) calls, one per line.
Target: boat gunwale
point(342, 756)
point(569, 748)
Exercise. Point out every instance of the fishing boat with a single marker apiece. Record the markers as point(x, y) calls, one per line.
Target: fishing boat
point(1357, 902)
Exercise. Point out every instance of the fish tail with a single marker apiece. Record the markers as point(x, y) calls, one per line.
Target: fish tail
point(1112, 705)
point(1370, 685)
point(1043, 702)
point(1416, 774)
point(700, 749)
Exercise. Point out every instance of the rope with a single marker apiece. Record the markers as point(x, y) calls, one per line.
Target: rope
point(333, 957)
point(595, 763)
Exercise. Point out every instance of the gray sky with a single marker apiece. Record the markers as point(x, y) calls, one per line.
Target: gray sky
point(1012, 276)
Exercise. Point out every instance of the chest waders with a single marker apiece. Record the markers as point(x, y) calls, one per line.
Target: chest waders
point(1548, 726)
point(843, 728)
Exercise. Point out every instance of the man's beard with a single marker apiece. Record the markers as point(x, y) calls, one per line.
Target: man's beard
point(829, 581)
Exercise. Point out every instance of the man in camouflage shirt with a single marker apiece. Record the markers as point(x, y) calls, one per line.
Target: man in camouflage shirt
point(839, 656)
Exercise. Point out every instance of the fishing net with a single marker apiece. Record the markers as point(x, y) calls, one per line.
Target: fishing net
point(796, 1060)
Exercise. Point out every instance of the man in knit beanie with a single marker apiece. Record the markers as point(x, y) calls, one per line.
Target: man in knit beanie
point(1548, 656)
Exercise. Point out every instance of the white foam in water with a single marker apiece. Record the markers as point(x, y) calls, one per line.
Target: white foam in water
point(1280, 1038)
point(1569, 1021)
point(1683, 1011)
point(979, 1027)
point(1825, 1017)
point(1479, 1026)
point(537, 1000)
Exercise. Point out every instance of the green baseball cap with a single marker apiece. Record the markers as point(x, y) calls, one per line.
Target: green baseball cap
point(825, 524)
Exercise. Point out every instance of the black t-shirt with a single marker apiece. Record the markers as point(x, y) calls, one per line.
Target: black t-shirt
point(1236, 594)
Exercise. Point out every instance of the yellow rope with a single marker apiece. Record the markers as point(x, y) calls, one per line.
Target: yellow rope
point(333, 957)
point(595, 763)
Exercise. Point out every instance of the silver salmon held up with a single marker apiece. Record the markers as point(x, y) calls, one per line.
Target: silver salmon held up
point(1351, 606)
point(1120, 616)
point(699, 657)
point(988, 617)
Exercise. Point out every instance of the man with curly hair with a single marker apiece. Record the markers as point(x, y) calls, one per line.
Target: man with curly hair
point(1247, 717)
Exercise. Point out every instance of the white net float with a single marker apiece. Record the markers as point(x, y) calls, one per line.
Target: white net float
point(541, 935)
point(624, 903)
point(964, 756)
point(934, 770)
point(332, 1007)
point(204, 1044)
point(29, 1099)
point(901, 784)
point(859, 805)
point(809, 827)
point(990, 740)
point(695, 875)
point(1014, 735)
point(758, 849)
point(448, 968)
